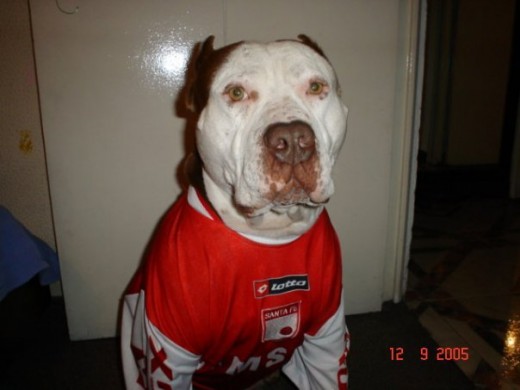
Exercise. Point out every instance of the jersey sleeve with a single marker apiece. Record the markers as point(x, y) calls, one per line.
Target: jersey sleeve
point(150, 359)
point(320, 363)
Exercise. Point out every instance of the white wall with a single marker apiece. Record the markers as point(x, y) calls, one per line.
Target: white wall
point(109, 75)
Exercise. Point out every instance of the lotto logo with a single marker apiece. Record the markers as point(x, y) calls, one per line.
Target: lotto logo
point(266, 287)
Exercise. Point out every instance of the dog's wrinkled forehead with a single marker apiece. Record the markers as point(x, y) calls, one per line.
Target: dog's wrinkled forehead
point(243, 58)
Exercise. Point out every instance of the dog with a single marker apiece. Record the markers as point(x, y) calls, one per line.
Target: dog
point(243, 276)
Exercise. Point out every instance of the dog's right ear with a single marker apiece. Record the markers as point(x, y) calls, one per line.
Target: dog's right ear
point(206, 49)
point(197, 87)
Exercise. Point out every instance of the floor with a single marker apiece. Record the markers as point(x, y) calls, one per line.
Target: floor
point(464, 284)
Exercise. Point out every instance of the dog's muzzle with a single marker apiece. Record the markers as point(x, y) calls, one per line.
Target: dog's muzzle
point(291, 163)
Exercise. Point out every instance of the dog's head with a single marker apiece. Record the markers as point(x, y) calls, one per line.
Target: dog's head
point(270, 126)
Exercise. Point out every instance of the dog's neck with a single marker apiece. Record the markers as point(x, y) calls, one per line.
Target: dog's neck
point(284, 224)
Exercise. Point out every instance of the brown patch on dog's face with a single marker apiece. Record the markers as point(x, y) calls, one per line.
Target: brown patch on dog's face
point(207, 61)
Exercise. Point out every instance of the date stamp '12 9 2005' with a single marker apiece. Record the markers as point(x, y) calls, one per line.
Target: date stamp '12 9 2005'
point(439, 353)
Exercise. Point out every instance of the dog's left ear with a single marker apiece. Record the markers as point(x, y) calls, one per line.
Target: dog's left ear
point(312, 44)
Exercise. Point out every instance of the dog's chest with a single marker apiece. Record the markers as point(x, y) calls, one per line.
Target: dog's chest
point(243, 306)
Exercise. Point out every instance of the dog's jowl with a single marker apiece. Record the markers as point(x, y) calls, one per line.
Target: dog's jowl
point(243, 276)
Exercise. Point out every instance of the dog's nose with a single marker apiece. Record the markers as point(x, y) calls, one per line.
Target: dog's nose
point(290, 143)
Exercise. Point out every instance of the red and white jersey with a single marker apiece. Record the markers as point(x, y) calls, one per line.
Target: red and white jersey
point(212, 309)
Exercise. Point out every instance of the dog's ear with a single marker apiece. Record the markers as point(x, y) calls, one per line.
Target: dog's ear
point(204, 63)
point(202, 51)
point(205, 50)
point(312, 44)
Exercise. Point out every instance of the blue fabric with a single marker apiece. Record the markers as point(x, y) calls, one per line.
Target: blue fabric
point(23, 256)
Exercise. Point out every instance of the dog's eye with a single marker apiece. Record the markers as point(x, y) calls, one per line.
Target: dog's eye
point(236, 93)
point(316, 88)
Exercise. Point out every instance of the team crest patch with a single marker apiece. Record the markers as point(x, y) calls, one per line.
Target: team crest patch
point(281, 322)
point(277, 286)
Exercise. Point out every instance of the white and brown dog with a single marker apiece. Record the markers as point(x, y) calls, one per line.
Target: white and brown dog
point(243, 276)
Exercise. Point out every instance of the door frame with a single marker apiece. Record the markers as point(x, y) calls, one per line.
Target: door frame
point(405, 146)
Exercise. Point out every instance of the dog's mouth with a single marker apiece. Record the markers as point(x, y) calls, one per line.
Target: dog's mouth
point(287, 201)
point(283, 196)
